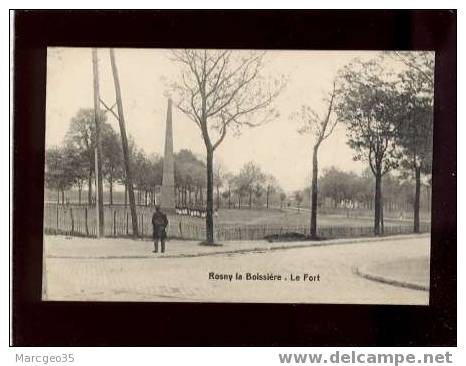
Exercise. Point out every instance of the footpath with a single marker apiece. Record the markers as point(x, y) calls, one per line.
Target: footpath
point(413, 273)
point(120, 248)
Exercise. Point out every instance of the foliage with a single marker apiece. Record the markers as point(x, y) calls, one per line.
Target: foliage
point(112, 154)
point(415, 134)
point(189, 170)
point(59, 174)
point(81, 134)
point(370, 104)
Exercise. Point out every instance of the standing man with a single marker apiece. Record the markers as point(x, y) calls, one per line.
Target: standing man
point(159, 225)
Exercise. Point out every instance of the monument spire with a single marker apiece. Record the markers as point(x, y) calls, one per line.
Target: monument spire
point(167, 201)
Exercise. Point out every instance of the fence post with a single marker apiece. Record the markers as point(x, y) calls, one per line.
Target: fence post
point(72, 220)
point(57, 218)
point(142, 224)
point(114, 222)
point(181, 231)
point(127, 231)
point(85, 219)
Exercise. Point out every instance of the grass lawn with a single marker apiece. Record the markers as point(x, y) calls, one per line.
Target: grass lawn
point(256, 223)
point(287, 217)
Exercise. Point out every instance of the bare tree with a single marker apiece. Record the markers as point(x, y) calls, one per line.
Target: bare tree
point(222, 90)
point(320, 127)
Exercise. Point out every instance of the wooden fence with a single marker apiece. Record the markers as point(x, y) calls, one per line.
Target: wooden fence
point(80, 221)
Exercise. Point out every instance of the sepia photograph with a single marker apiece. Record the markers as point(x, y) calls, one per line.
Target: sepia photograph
point(238, 176)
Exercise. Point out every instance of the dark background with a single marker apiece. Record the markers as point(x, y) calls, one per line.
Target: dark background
point(37, 323)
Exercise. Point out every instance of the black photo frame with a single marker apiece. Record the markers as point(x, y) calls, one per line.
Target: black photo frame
point(39, 323)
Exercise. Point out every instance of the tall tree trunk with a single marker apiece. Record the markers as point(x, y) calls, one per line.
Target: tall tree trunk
point(58, 196)
point(382, 227)
point(429, 198)
point(98, 149)
point(250, 198)
point(80, 188)
point(110, 191)
point(417, 200)
point(313, 228)
point(210, 201)
point(218, 198)
point(124, 144)
point(63, 197)
point(126, 195)
point(377, 202)
point(89, 188)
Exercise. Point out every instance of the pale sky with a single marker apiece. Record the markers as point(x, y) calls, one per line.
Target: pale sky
point(276, 147)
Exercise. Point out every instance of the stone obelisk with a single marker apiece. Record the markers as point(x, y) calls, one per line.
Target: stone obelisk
point(167, 199)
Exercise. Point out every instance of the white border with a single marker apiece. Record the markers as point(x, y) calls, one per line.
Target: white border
point(216, 356)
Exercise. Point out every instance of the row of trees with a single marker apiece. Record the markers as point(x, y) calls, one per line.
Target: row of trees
point(250, 187)
point(71, 166)
point(340, 189)
point(388, 118)
point(388, 115)
point(68, 168)
point(93, 148)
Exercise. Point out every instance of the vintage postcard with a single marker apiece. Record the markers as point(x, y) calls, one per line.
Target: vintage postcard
point(246, 176)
